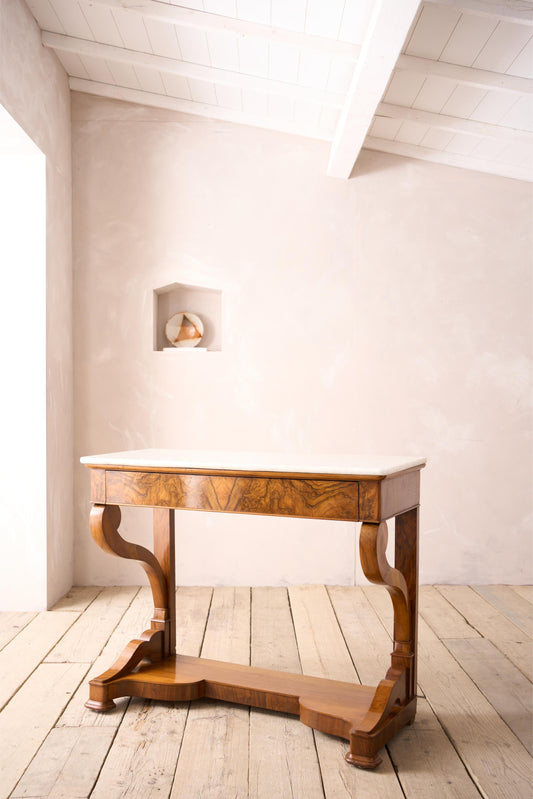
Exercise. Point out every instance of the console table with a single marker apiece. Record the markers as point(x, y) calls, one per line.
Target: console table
point(369, 490)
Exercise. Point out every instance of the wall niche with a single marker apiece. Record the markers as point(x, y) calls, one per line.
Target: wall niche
point(200, 300)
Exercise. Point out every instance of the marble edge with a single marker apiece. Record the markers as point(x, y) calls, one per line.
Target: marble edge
point(376, 466)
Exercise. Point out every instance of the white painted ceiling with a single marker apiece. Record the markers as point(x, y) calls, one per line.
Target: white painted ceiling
point(449, 81)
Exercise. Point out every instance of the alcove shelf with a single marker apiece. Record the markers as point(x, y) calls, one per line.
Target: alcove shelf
point(201, 300)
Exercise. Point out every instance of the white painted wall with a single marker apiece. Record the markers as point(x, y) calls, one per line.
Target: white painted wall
point(23, 355)
point(385, 314)
point(34, 90)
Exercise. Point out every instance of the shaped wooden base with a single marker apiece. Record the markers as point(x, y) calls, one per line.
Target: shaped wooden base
point(362, 715)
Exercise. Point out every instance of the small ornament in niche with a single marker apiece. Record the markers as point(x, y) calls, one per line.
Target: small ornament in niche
point(184, 329)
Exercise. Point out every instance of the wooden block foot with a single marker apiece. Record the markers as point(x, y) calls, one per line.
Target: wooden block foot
point(363, 761)
point(93, 704)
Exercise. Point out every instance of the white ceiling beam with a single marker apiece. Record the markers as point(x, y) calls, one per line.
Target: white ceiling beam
point(455, 124)
point(198, 109)
point(450, 159)
point(470, 76)
point(519, 11)
point(70, 44)
point(386, 32)
point(191, 18)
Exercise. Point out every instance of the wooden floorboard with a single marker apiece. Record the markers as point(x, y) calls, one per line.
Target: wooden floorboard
point(472, 736)
point(283, 756)
point(11, 623)
point(525, 591)
point(492, 624)
point(506, 688)
point(213, 759)
point(324, 653)
point(142, 760)
point(516, 608)
point(28, 718)
point(23, 654)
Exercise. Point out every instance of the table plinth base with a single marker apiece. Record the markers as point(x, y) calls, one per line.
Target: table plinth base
point(338, 708)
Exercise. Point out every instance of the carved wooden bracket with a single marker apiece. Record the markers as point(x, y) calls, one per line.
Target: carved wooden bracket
point(104, 522)
point(398, 683)
point(372, 550)
point(149, 645)
point(388, 693)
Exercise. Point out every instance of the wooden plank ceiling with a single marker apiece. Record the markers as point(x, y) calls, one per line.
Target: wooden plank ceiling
point(448, 81)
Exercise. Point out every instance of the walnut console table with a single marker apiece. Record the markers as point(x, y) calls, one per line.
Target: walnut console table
point(341, 488)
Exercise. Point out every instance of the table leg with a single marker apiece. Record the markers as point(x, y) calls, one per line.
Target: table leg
point(406, 561)
point(155, 643)
point(394, 701)
point(164, 551)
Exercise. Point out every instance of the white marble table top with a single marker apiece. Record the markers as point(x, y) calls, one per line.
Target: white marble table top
point(373, 465)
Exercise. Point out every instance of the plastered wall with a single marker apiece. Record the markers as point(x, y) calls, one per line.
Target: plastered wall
point(34, 91)
point(385, 314)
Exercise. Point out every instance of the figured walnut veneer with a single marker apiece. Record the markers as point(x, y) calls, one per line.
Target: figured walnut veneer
point(317, 499)
point(367, 717)
point(338, 498)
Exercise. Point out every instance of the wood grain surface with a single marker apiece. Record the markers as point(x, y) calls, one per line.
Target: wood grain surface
point(316, 499)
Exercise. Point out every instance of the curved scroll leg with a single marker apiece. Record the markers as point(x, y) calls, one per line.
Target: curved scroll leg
point(393, 702)
point(104, 522)
point(153, 643)
point(373, 549)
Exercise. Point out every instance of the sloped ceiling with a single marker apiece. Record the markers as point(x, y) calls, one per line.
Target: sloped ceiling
point(449, 81)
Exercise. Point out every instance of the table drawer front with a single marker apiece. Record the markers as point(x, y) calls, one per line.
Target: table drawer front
point(316, 499)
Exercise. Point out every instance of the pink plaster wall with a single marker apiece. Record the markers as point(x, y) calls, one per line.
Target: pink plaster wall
point(34, 90)
point(385, 314)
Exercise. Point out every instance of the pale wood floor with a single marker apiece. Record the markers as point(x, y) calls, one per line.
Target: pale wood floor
point(472, 736)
